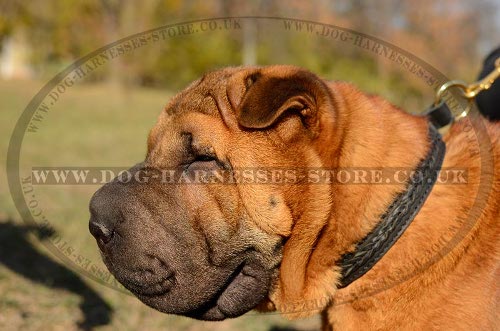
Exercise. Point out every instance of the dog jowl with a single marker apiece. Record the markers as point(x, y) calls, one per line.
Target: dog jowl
point(216, 250)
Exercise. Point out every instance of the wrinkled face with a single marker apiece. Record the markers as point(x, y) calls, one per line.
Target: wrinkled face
point(210, 250)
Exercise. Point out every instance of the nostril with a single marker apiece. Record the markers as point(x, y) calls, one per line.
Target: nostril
point(100, 232)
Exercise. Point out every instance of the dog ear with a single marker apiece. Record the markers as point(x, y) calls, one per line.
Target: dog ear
point(270, 94)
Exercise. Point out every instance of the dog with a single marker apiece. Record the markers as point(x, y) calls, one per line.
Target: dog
point(213, 250)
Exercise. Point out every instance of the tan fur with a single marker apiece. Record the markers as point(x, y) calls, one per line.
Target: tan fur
point(459, 291)
point(412, 287)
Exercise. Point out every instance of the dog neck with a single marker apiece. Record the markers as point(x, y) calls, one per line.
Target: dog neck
point(397, 217)
point(378, 136)
point(362, 132)
point(357, 132)
point(371, 134)
point(448, 238)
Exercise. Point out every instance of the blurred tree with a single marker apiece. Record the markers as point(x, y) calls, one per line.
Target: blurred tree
point(450, 34)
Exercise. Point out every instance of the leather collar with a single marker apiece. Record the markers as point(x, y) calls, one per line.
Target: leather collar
point(397, 217)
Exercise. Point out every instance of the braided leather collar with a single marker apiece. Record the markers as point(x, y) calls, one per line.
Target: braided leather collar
point(397, 217)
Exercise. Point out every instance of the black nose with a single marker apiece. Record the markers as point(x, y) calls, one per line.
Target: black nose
point(102, 234)
point(105, 213)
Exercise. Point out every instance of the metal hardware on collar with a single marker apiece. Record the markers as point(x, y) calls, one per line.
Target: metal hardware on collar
point(439, 113)
point(485, 83)
point(469, 92)
point(452, 83)
point(398, 216)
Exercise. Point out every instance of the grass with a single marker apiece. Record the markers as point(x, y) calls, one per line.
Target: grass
point(91, 125)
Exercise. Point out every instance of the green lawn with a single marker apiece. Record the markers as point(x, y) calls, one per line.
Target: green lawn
point(91, 125)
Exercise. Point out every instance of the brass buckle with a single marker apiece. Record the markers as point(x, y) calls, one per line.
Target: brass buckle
point(469, 91)
point(483, 84)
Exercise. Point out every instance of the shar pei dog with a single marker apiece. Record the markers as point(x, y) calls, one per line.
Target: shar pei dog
point(269, 188)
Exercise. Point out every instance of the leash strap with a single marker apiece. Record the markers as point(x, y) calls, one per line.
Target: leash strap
point(398, 216)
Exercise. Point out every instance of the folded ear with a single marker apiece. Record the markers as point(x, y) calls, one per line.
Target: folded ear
point(271, 92)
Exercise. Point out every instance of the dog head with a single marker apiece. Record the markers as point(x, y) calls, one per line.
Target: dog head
point(213, 249)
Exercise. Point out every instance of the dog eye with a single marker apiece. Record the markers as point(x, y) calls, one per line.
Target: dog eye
point(250, 80)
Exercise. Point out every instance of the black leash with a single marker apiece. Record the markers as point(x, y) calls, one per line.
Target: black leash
point(488, 102)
